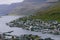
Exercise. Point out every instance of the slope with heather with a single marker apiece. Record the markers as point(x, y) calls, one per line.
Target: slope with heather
point(52, 13)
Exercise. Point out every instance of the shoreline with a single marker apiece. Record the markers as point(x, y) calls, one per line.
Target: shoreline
point(19, 31)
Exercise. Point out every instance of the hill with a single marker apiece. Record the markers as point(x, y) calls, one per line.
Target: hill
point(6, 8)
point(29, 7)
point(52, 13)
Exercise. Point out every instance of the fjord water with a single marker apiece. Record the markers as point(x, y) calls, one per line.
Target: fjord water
point(20, 31)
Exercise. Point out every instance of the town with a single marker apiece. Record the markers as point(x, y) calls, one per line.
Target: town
point(23, 37)
point(37, 25)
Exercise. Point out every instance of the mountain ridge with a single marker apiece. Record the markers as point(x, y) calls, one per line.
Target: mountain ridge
point(29, 7)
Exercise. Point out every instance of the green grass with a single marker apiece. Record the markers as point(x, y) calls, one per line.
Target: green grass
point(52, 13)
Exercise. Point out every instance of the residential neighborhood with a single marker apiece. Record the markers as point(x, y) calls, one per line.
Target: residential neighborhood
point(37, 25)
point(23, 37)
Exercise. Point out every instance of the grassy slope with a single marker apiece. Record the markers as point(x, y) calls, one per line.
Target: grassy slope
point(52, 13)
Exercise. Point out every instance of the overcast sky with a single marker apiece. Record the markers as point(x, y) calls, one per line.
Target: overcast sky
point(15, 1)
point(9, 1)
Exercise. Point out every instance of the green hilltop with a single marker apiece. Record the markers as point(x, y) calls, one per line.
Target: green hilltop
point(52, 13)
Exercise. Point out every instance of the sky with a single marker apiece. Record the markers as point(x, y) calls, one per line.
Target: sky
point(9, 1)
point(15, 1)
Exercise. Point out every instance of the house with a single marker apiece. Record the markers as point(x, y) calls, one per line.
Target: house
point(45, 31)
point(30, 27)
point(35, 28)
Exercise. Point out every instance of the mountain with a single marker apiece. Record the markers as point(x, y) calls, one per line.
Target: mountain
point(34, 0)
point(52, 13)
point(5, 8)
point(29, 7)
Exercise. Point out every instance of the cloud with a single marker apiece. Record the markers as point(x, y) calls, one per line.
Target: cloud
point(9, 1)
point(51, 0)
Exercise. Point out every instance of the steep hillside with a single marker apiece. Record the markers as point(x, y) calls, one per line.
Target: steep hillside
point(5, 8)
point(29, 6)
point(52, 13)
